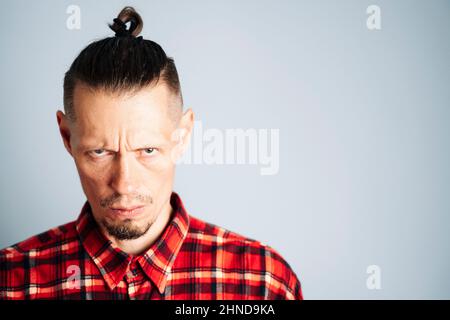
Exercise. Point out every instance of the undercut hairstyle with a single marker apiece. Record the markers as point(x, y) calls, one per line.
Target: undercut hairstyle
point(123, 63)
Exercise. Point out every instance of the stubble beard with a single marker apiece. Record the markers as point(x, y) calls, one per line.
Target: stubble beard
point(125, 230)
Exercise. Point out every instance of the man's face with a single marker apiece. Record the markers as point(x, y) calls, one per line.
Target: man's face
point(123, 148)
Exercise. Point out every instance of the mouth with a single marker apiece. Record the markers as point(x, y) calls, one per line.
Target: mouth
point(127, 211)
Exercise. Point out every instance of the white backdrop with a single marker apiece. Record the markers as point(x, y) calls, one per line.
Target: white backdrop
point(363, 120)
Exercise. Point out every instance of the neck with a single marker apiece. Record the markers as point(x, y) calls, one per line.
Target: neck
point(142, 244)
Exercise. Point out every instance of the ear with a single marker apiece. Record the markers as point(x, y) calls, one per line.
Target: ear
point(64, 130)
point(187, 125)
point(182, 135)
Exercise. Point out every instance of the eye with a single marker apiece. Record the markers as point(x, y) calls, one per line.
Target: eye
point(149, 150)
point(97, 153)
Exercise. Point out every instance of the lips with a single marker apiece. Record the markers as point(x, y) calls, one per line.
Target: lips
point(126, 208)
point(127, 211)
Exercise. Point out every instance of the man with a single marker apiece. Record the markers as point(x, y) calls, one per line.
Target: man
point(125, 128)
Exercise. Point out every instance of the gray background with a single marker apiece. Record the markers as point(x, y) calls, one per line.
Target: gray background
point(363, 118)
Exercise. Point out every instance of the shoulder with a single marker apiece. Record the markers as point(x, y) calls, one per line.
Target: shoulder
point(211, 233)
point(28, 262)
point(247, 254)
point(47, 241)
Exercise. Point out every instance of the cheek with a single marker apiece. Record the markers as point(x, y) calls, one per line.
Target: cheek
point(92, 177)
point(158, 177)
point(93, 180)
point(158, 174)
point(148, 175)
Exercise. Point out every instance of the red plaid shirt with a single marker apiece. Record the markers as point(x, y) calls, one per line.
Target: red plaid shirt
point(191, 260)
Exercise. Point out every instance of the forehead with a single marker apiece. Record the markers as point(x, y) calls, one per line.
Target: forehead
point(102, 114)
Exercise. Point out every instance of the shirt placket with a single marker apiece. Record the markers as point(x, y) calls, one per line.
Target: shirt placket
point(133, 278)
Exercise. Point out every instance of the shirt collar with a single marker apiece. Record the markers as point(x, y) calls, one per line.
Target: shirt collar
point(156, 262)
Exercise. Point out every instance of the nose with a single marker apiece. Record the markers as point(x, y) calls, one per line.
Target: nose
point(124, 175)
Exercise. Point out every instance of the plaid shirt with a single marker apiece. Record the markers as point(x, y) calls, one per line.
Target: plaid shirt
point(191, 260)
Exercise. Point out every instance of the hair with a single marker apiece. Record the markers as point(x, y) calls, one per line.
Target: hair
point(122, 63)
